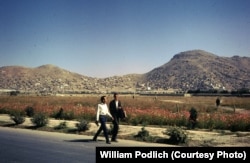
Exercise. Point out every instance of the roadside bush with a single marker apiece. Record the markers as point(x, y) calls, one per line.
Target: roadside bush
point(83, 125)
point(143, 135)
point(40, 120)
point(176, 135)
point(62, 125)
point(17, 116)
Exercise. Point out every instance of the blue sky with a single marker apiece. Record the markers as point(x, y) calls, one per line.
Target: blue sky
point(103, 38)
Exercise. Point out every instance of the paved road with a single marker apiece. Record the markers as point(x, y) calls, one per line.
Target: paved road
point(28, 146)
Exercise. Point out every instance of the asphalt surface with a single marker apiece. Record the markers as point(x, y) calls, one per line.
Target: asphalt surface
point(20, 145)
point(25, 145)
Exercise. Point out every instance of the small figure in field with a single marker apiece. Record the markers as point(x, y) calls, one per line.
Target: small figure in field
point(217, 102)
point(192, 118)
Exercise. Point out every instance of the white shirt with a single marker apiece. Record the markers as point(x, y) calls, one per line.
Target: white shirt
point(102, 109)
point(116, 103)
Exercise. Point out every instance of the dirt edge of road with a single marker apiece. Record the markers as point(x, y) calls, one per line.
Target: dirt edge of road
point(196, 138)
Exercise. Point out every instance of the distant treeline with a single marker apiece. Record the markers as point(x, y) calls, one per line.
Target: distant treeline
point(239, 93)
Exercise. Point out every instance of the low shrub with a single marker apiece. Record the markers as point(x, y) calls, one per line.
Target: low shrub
point(143, 135)
point(17, 116)
point(83, 125)
point(62, 125)
point(40, 120)
point(176, 135)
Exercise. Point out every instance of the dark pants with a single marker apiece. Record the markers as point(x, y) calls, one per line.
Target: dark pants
point(103, 128)
point(115, 128)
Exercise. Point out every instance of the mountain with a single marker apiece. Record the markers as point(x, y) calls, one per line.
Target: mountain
point(198, 69)
point(52, 79)
point(189, 70)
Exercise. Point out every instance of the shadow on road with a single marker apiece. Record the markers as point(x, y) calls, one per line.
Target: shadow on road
point(80, 140)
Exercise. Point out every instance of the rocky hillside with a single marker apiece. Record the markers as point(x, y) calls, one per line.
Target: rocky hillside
point(52, 79)
point(197, 69)
point(190, 70)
